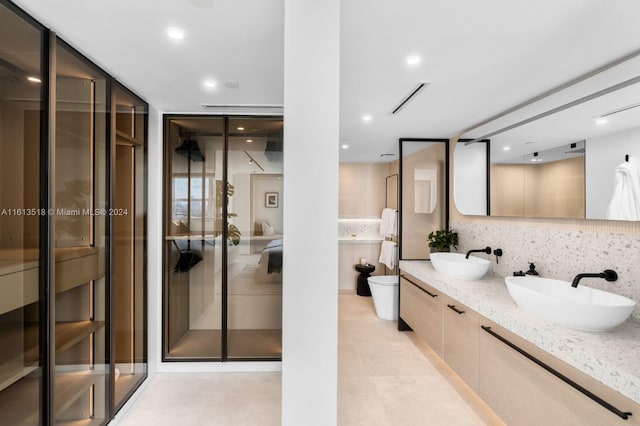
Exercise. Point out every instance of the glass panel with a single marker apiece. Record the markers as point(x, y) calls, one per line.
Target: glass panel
point(254, 262)
point(193, 242)
point(81, 358)
point(129, 243)
point(20, 113)
point(424, 175)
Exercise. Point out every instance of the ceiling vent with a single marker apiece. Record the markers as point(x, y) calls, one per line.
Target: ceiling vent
point(421, 85)
point(245, 107)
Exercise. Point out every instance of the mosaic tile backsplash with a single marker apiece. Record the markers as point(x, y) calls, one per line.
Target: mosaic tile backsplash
point(559, 254)
point(363, 229)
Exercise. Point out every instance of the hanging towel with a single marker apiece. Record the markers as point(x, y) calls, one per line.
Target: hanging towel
point(388, 254)
point(625, 202)
point(388, 225)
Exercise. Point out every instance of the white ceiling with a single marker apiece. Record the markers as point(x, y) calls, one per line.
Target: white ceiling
point(482, 57)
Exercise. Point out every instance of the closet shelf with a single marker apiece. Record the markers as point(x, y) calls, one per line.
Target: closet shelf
point(71, 386)
point(68, 334)
point(71, 332)
point(14, 370)
point(125, 137)
point(23, 363)
point(83, 422)
point(19, 403)
point(19, 273)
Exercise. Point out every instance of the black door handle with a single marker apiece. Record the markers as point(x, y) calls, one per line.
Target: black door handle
point(454, 309)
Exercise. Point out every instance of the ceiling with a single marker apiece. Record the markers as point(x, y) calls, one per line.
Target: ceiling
point(481, 57)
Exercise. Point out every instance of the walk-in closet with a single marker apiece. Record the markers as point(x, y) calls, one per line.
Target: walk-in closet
point(72, 232)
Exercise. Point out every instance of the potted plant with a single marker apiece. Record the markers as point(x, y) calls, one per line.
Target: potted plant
point(442, 240)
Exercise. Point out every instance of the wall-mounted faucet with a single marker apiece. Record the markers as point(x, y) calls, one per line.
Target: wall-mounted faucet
point(497, 252)
point(607, 274)
point(484, 250)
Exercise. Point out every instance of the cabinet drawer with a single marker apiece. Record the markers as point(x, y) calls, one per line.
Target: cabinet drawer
point(522, 392)
point(460, 349)
point(421, 308)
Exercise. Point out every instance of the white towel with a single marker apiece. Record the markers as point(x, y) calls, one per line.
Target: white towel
point(388, 225)
point(388, 254)
point(625, 202)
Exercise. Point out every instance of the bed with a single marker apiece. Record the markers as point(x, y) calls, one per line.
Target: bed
point(269, 268)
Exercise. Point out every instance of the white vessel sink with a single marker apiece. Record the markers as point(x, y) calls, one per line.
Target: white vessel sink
point(455, 265)
point(582, 308)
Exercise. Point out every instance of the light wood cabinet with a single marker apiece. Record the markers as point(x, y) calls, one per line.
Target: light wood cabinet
point(522, 392)
point(460, 349)
point(421, 308)
point(522, 383)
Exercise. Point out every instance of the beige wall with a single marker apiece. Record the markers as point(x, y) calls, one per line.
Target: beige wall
point(260, 185)
point(362, 195)
point(554, 189)
point(362, 189)
point(349, 255)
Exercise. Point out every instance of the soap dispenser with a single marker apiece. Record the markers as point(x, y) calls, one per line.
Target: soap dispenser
point(532, 270)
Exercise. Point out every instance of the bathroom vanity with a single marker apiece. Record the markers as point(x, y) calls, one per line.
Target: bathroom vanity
point(528, 371)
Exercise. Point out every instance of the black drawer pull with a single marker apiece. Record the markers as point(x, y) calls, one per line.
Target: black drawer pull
point(420, 288)
point(454, 309)
point(623, 414)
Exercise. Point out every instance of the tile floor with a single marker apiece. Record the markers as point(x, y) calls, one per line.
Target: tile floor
point(385, 378)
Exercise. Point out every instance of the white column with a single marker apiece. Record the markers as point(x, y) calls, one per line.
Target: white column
point(310, 269)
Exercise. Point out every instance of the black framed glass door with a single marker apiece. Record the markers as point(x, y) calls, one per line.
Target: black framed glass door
point(59, 286)
point(223, 238)
point(23, 242)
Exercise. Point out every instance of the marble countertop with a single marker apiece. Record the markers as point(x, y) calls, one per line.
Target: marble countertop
point(612, 358)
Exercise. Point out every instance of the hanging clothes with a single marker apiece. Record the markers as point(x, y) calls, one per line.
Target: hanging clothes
point(625, 202)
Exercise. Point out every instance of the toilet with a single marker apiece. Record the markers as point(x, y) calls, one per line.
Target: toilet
point(384, 290)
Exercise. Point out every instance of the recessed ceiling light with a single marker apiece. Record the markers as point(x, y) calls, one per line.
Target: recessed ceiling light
point(413, 60)
point(209, 84)
point(175, 33)
point(601, 120)
point(240, 128)
point(34, 79)
point(366, 118)
point(506, 148)
point(345, 146)
point(249, 140)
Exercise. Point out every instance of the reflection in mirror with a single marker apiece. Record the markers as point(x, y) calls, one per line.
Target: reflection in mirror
point(470, 178)
point(424, 193)
point(579, 160)
point(426, 190)
point(391, 194)
point(549, 183)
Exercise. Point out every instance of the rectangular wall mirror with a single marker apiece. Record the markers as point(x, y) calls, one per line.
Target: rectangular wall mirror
point(579, 159)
